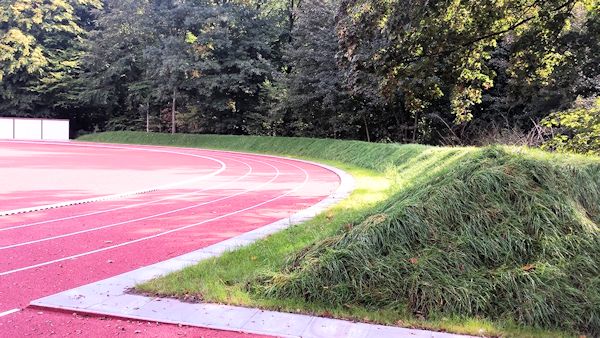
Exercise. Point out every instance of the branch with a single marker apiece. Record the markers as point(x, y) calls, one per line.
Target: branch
point(484, 37)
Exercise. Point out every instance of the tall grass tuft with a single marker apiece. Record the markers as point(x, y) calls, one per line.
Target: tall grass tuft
point(501, 233)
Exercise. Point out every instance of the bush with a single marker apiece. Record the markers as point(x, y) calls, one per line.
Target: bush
point(577, 130)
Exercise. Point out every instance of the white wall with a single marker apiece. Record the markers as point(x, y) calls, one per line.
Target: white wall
point(55, 130)
point(28, 129)
point(34, 129)
point(6, 128)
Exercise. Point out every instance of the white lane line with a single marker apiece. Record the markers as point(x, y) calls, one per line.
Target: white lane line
point(251, 158)
point(133, 220)
point(222, 168)
point(9, 312)
point(306, 177)
point(159, 214)
point(128, 206)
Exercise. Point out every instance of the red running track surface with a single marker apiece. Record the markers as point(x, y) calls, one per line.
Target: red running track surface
point(206, 197)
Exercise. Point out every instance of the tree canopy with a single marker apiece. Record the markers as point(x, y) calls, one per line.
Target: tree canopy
point(40, 49)
point(449, 72)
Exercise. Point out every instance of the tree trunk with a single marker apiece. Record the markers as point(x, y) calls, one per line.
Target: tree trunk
point(173, 112)
point(291, 17)
point(415, 127)
point(148, 116)
point(366, 127)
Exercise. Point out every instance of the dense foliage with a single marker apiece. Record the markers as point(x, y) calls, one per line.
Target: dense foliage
point(427, 71)
point(577, 130)
point(40, 51)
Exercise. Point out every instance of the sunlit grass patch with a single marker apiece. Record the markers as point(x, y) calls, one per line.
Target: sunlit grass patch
point(223, 279)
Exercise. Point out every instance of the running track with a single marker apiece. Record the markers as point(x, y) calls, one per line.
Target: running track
point(148, 204)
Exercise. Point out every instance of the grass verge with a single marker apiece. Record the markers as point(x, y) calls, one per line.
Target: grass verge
point(493, 241)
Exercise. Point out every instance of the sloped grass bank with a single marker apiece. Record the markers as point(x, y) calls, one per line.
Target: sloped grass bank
point(493, 240)
point(502, 235)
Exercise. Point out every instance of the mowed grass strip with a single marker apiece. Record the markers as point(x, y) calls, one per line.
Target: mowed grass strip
point(491, 241)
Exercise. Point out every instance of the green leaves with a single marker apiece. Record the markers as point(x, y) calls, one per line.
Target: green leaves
point(311, 97)
point(387, 70)
point(428, 52)
point(210, 58)
point(575, 130)
point(40, 47)
point(20, 53)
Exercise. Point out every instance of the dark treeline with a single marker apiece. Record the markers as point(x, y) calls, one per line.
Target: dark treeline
point(440, 72)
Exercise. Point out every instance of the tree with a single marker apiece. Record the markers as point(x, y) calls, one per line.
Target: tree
point(575, 130)
point(431, 54)
point(310, 95)
point(426, 71)
point(168, 60)
point(113, 81)
point(203, 60)
point(233, 47)
point(525, 93)
point(40, 48)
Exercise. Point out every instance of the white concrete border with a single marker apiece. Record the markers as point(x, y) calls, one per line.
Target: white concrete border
point(110, 296)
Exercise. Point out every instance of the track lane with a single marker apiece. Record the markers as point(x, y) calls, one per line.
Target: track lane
point(29, 219)
point(20, 235)
point(60, 214)
point(72, 181)
point(278, 201)
point(86, 242)
point(15, 238)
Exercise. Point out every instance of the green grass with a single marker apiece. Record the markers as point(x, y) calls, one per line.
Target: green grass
point(494, 241)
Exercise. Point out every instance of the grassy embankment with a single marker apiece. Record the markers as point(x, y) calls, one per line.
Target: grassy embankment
point(494, 241)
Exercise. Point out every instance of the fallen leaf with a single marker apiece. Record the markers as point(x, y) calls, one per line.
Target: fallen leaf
point(528, 267)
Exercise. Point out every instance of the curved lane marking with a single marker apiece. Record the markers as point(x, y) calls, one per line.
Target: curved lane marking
point(306, 177)
point(222, 168)
point(9, 312)
point(128, 206)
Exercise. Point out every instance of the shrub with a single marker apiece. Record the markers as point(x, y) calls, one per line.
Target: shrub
point(577, 130)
